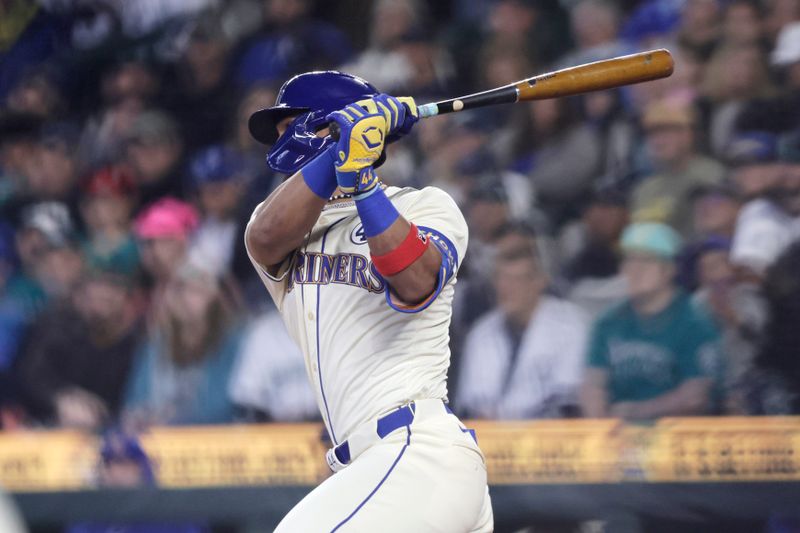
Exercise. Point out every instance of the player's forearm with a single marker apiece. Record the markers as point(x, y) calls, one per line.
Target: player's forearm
point(594, 401)
point(593, 394)
point(283, 221)
point(691, 398)
point(418, 280)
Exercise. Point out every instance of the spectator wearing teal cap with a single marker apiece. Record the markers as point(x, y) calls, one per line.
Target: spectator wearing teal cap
point(655, 354)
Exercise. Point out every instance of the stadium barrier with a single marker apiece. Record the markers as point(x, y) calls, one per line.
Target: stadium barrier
point(695, 469)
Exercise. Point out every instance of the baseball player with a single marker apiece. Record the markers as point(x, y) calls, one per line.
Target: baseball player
point(363, 277)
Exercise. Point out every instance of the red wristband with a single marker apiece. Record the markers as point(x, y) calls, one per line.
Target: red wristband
point(399, 259)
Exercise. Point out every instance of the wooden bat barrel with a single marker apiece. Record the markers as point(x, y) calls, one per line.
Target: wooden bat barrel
point(606, 74)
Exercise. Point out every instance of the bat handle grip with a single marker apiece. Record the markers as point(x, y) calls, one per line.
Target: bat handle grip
point(428, 110)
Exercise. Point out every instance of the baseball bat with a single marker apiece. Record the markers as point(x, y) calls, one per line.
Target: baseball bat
point(596, 76)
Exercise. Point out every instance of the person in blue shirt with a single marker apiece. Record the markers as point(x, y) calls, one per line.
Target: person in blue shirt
point(656, 354)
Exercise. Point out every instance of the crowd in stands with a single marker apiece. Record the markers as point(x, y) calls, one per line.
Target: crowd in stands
point(632, 253)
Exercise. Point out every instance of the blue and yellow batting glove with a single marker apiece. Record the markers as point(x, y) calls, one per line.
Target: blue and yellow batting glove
point(361, 140)
point(400, 113)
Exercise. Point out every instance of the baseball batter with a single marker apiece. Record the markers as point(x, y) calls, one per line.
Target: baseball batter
point(363, 277)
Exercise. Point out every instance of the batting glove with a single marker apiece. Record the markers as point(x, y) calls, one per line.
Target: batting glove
point(400, 113)
point(361, 141)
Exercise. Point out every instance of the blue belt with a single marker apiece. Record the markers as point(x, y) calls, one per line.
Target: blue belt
point(386, 424)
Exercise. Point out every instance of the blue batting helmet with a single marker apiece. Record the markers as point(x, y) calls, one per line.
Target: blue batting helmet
point(309, 97)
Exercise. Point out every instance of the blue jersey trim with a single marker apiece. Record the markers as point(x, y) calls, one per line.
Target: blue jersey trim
point(319, 363)
point(446, 270)
point(385, 477)
point(446, 246)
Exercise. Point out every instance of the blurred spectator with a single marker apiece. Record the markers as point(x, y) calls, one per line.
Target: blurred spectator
point(123, 462)
point(755, 168)
point(714, 210)
point(108, 198)
point(261, 181)
point(430, 69)
point(290, 42)
point(700, 27)
point(196, 90)
point(786, 55)
point(595, 30)
point(48, 251)
point(662, 196)
point(780, 13)
point(182, 370)
point(125, 465)
point(475, 292)
point(742, 22)
point(14, 316)
point(163, 231)
point(652, 21)
point(19, 133)
point(22, 297)
point(383, 63)
point(532, 31)
point(32, 37)
point(559, 153)
point(256, 98)
point(735, 75)
point(54, 167)
point(126, 89)
point(153, 151)
point(140, 19)
point(738, 310)
point(76, 363)
point(443, 146)
point(590, 253)
point(269, 381)
point(487, 214)
point(36, 93)
point(523, 358)
point(655, 354)
point(775, 386)
point(217, 179)
point(770, 220)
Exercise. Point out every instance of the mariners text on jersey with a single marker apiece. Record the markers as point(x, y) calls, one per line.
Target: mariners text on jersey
point(344, 268)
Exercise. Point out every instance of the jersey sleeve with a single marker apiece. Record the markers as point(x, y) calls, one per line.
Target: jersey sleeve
point(437, 216)
point(757, 240)
point(276, 280)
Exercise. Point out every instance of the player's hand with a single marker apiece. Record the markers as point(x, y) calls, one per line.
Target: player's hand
point(361, 140)
point(79, 408)
point(400, 113)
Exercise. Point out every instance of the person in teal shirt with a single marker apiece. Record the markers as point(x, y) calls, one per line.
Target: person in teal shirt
point(181, 372)
point(656, 354)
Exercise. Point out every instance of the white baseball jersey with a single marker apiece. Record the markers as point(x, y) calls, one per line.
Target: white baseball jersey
point(547, 371)
point(365, 353)
point(269, 373)
point(763, 232)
